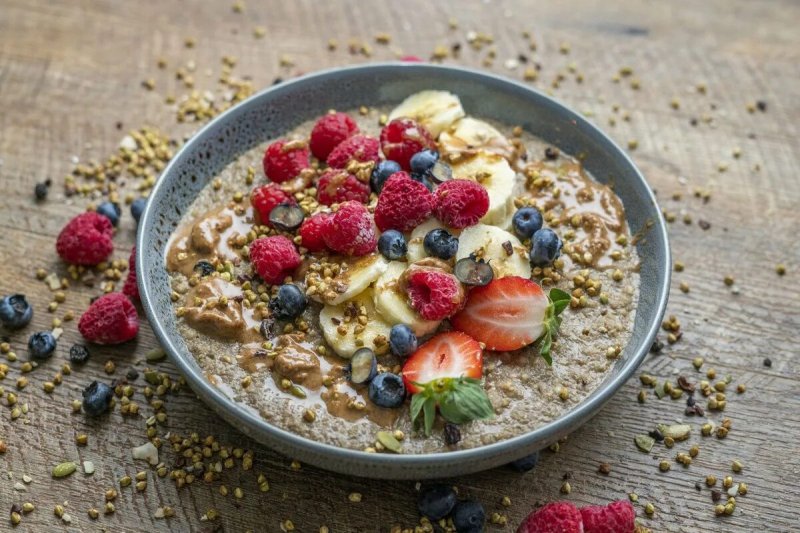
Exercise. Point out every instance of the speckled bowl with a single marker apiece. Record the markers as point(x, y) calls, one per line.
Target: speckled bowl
point(279, 109)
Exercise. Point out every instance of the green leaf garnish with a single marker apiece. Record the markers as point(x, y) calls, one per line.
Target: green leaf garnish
point(558, 301)
point(460, 400)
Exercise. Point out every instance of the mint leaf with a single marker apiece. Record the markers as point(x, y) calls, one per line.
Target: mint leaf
point(429, 409)
point(560, 300)
point(417, 401)
point(465, 401)
point(544, 347)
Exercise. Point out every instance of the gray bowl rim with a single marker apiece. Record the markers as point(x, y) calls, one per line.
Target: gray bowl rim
point(376, 461)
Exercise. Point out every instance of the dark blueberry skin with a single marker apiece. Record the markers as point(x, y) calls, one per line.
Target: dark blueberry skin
point(402, 340)
point(546, 247)
point(472, 272)
point(137, 208)
point(469, 517)
point(440, 243)
point(40, 191)
point(525, 464)
point(363, 366)
point(111, 211)
point(286, 217)
point(289, 303)
point(41, 345)
point(392, 245)
point(436, 501)
point(381, 173)
point(15, 312)
point(422, 162)
point(387, 390)
point(526, 222)
point(97, 398)
point(78, 354)
point(203, 268)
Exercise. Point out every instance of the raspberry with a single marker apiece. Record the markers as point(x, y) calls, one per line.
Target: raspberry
point(131, 289)
point(403, 203)
point(274, 258)
point(312, 231)
point(402, 138)
point(435, 294)
point(351, 230)
point(328, 132)
point(461, 203)
point(337, 185)
point(111, 319)
point(265, 198)
point(556, 517)
point(616, 517)
point(283, 160)
point(358, 147)
point(86, 240)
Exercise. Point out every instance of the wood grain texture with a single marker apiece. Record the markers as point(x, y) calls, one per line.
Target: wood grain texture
point(70, 71)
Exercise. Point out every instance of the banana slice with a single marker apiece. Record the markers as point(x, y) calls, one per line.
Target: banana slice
point(487, 242)
point(345, 334)
point(436, 110)
point(353, 279)
point(470, 135)
point(393, 306)
point(496, 175)
point(416, 250)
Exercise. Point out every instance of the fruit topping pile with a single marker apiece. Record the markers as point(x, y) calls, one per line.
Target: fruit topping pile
point(412, 244)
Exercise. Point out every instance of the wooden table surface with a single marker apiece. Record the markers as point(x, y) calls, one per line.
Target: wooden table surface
point(71, 78)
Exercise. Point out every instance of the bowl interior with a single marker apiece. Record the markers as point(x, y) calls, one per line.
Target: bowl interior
point(275, 111)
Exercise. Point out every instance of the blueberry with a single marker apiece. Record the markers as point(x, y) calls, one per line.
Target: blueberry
point(97, 398)
point(15, 312)
point(78, 354)
point(402, 340)
point(40, 191)
point(525, 464)
point(41, 345)
point(203, 268)
point(363, 366)
point(137, 208)
point(392, 245)
point(423, 180)
point(381, 173)
point(526, 222)
point(111, 211)
point(440, 172)
point(422, 162)
point(440, 243)
point(469, 517)
point(436, 501)
point(289, 303)
point(286, 217)
point(471, 271)
point(387, 390)
point(546, 247)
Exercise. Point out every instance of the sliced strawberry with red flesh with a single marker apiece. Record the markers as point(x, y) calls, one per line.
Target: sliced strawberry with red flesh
point(447, 355)
point(504, 315)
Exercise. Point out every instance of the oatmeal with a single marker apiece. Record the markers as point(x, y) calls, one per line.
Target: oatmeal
point(452, 316)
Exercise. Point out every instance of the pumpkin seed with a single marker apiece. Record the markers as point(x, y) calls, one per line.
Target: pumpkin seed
point(676, 431)
point(644, 442)
point(297, 391)
point(389, 441)
point(64, 469)
point(156, 354)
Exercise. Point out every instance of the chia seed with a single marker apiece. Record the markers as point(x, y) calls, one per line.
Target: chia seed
point(767, 362)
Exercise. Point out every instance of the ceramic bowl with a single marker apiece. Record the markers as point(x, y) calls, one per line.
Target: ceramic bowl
point(279, 109)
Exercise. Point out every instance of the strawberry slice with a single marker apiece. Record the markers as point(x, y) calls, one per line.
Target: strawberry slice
point(445, 372)
point(448, 355)
point(510, 313)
